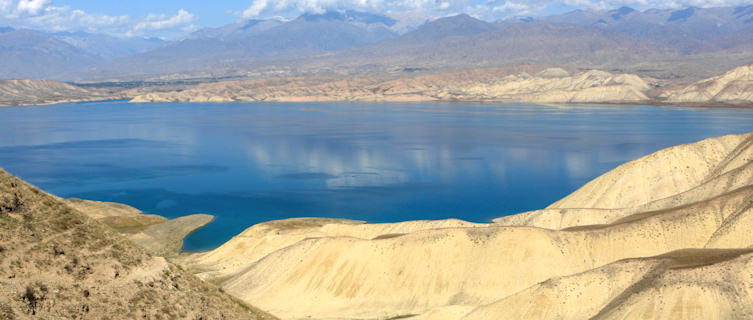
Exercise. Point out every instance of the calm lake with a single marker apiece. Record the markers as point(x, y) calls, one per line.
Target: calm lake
point(381, 162)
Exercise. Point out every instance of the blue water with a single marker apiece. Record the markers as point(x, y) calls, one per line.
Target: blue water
point(251, 162)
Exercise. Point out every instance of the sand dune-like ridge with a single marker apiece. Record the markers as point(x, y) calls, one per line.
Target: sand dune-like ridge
point(658, 224)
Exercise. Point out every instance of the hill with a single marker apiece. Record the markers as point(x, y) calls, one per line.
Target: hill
point(732, 88)
point(57, 263)
point(677, 247)
point(36, 92)
point(551, 85)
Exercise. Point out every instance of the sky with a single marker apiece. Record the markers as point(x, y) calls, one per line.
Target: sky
point(176, 18)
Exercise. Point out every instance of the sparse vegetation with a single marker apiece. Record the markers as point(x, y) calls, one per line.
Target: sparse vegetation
point(60, 264)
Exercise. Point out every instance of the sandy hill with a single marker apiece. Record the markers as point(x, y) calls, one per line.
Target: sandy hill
point(664, 236)
point(734, 88)
point(34, 91)
point(57, 263)
point(489, 84)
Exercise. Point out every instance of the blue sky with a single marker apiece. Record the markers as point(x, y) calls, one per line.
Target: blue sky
point(175, 18)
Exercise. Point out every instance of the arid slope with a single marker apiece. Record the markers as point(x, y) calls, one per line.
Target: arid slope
point(668, 229)
point(734, 88)
point(57, 263)
point(32, 91)
point(492, 84)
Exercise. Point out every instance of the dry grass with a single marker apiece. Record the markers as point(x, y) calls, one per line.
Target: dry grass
point(57, 263)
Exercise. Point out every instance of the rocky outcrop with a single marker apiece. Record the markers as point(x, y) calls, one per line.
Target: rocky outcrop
point(57, 263)
point(548, 86)
point(663, 236)
point(734, 88)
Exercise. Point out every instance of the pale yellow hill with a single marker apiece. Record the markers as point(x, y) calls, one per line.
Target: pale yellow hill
point(685, 284)
point(558, 218)
point(260, 240)
point(557, 86)
point(38, 91)
point(662, 174)
point(733, 87)
point(356, 278)
point(491, 84)
point(691, 196)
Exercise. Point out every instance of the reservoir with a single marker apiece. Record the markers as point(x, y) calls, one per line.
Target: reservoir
point(247, 163)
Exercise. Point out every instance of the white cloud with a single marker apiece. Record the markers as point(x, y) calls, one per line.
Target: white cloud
point(486, 9)
point(154, 22)
point(510, 8)
point(32, 6)
point(44, 15)
point(264, 8)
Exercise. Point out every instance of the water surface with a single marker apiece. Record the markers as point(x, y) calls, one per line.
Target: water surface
point(380, 162)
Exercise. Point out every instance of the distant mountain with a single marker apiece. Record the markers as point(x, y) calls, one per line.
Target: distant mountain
point(235, 31)
point(29, 54)
point(308, 34)
point(108, 47)
point(32, 54)
point(322, 32)
point(459, 25)
point(666, 44)
point(691, 30)
point(479, 44)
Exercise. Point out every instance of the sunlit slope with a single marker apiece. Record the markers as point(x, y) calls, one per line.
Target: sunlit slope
point(696, 196)
point(262, 239)
point(491, 84)
point(669, 178)
point(734, 87)
point(685, 284)
point(57, 263)
point(33, 91)
point(662, 174)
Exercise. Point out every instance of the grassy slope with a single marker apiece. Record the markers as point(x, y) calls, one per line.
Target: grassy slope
point(56, 263)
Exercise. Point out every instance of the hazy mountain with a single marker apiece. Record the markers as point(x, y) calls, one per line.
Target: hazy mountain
point(108, 47)
point(29, 54)
point(32, 54)
point(691, 30)
point(255, 39)
point(352, 42)
point(235, 31)
point(477, 43)
point(459, 25)
point(322, 32)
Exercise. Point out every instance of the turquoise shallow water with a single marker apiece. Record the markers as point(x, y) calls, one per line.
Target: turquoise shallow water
point(380, 162)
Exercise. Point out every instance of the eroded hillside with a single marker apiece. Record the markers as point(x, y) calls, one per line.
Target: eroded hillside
point(31, 91)
point(734, 88)
point(494, 84)
point(663, 236)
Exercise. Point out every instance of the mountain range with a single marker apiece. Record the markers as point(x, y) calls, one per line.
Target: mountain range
point(690, 43)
